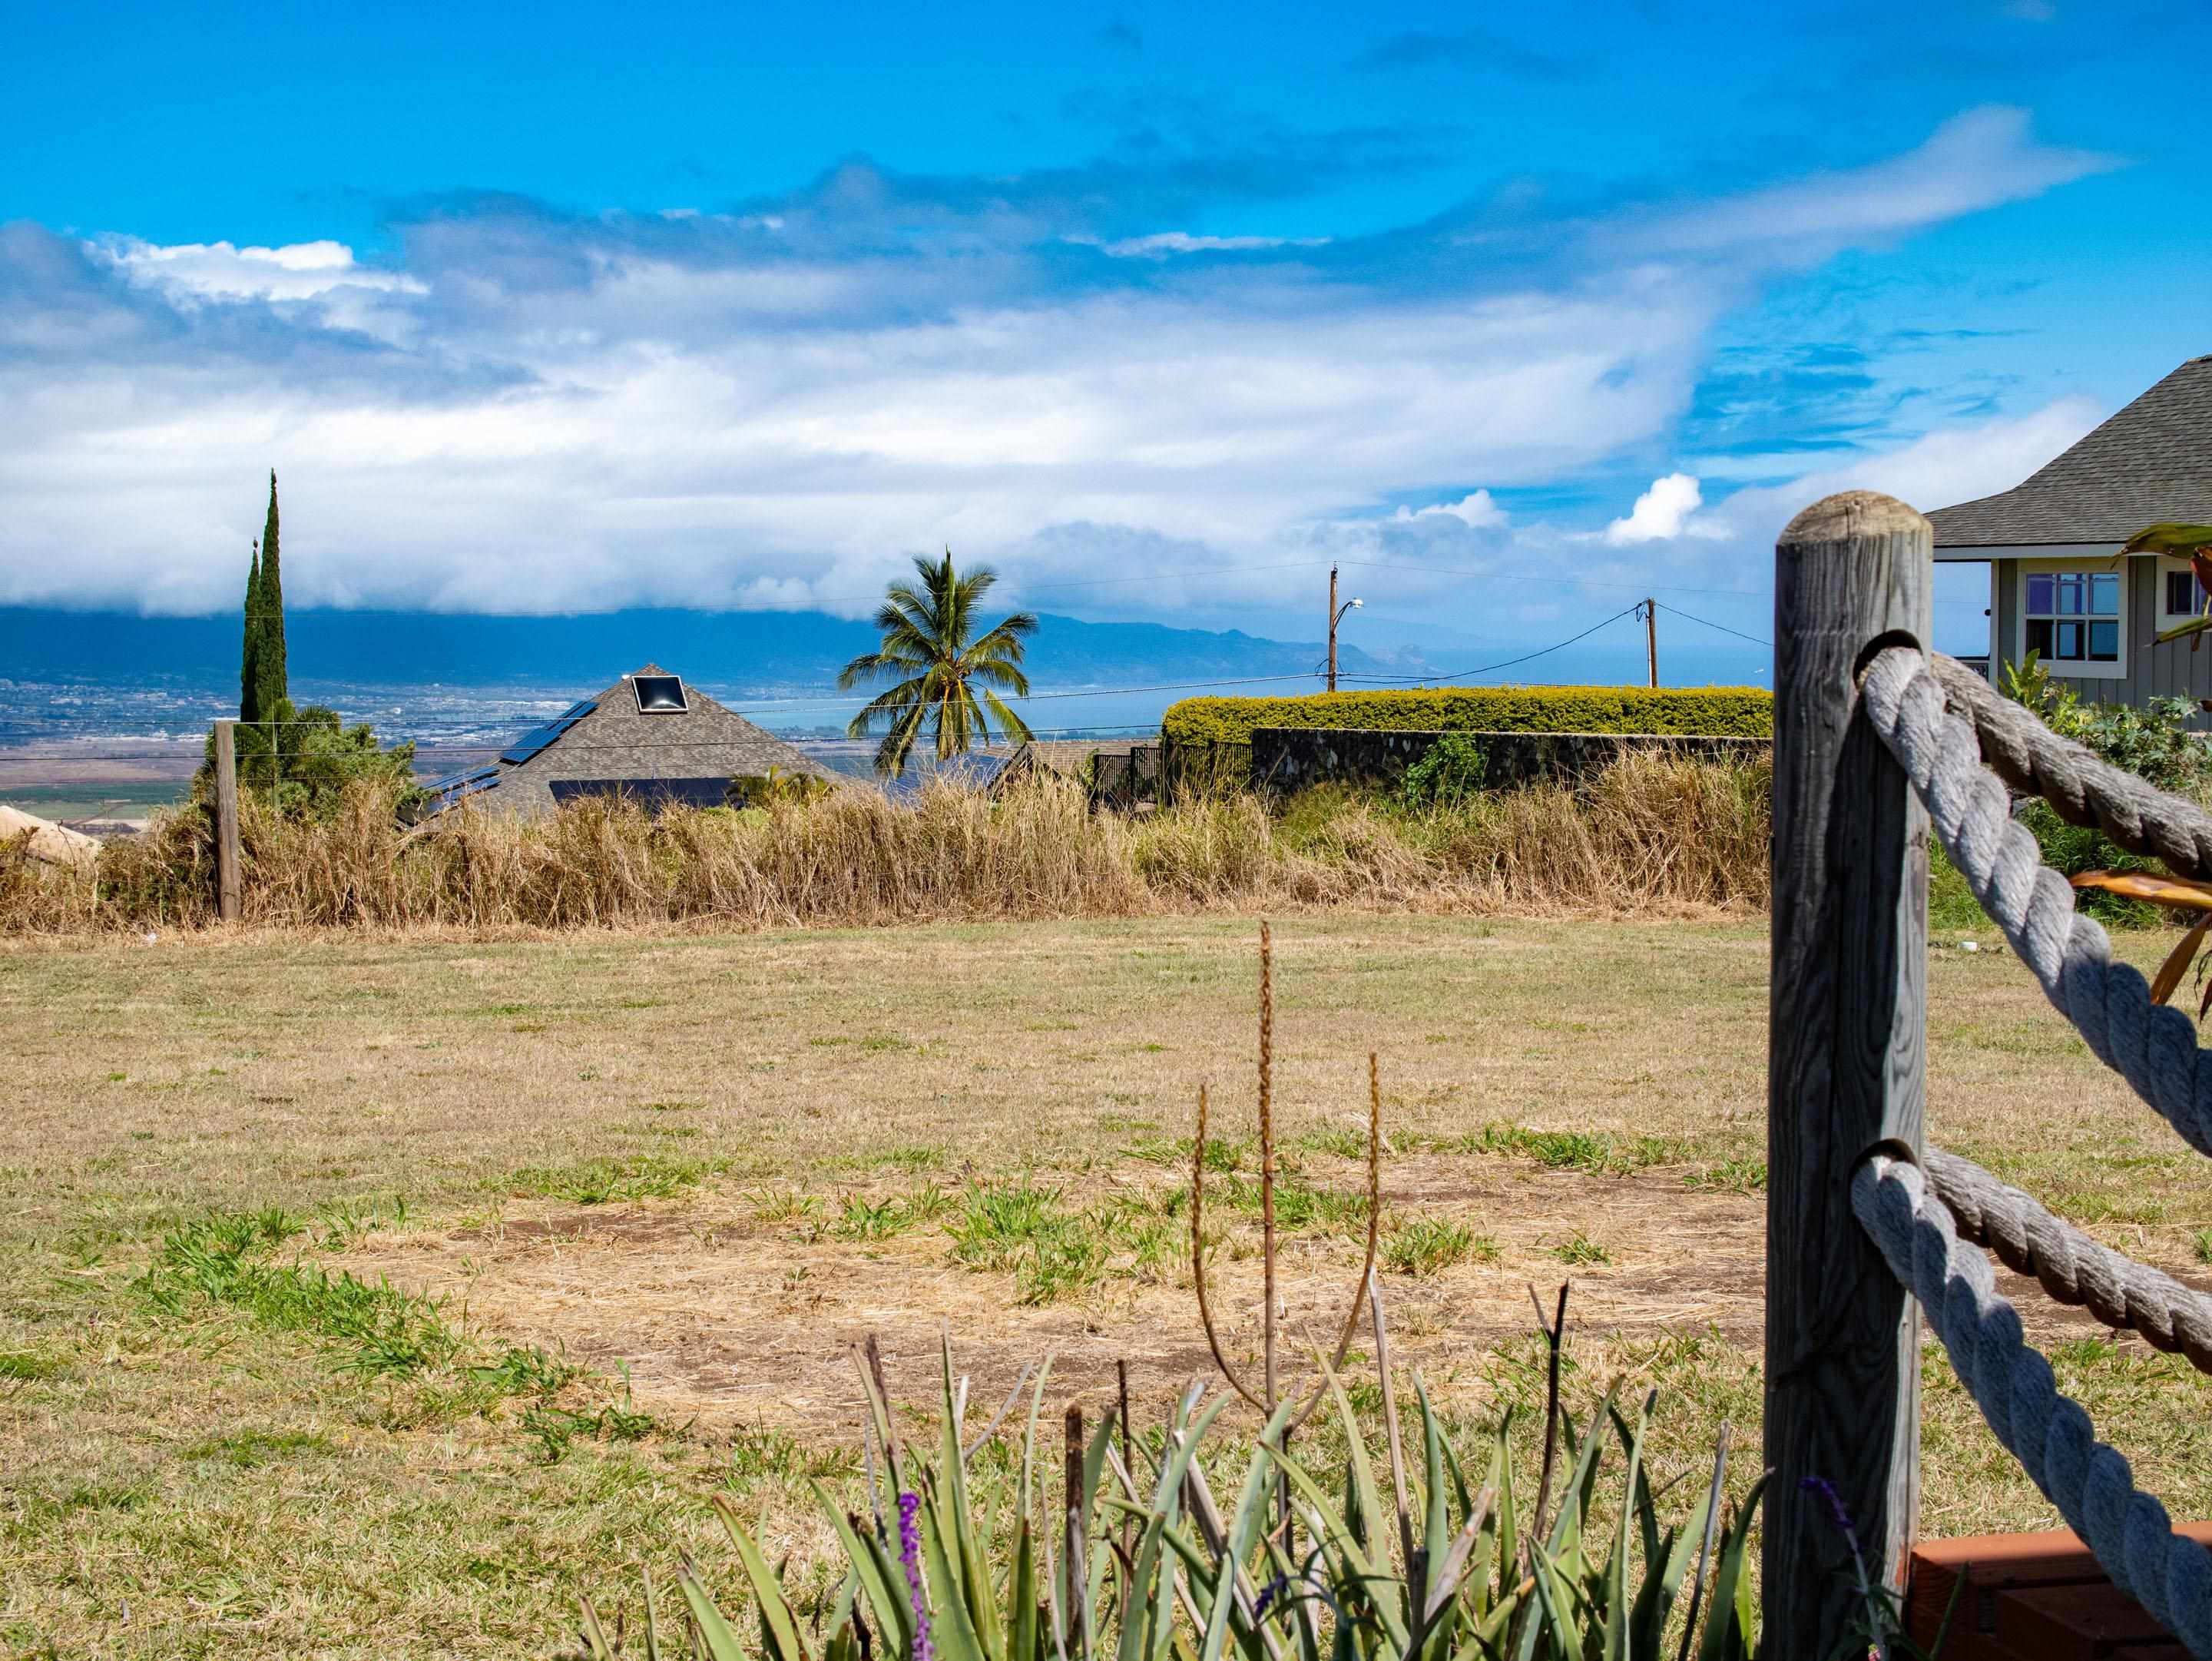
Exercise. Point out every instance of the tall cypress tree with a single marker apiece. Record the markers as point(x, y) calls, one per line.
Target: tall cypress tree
point(249, 664)
point(269, 665)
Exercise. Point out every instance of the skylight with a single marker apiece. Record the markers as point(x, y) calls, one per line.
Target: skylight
point(659, 695)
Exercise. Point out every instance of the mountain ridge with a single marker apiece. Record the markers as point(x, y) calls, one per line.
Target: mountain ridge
point(757, 651)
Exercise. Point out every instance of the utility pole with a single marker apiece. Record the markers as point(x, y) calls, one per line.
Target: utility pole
point(1336, 616)
point(226, 821)
point(1332, 628)
point(1651, 638)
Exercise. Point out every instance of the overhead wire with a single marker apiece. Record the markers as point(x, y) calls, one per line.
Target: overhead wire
point(1492, 668)
point(1709, 623)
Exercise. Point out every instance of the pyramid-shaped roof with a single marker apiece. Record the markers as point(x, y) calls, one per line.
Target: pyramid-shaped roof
point(613, 742)
point(2151, 463)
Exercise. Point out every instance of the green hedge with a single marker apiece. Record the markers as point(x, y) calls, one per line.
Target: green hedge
point(1746, 712)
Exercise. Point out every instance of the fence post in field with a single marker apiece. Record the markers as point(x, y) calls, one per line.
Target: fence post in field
point(1846, 1066)
point(226, 821)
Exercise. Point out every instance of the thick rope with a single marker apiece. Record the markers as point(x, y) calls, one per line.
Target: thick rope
point(2071, 1267)
point(2128, 1530)
point(2082, 789)
point(2152, 1046)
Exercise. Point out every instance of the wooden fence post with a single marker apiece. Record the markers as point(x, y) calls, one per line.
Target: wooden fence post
point(226, 821)
point(1846, 1068)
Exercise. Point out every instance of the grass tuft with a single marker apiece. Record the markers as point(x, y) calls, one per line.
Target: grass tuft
point(597, 1182)
point(1427, 1245)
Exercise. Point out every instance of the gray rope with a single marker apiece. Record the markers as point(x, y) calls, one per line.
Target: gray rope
point(2082, 789)
point(2152, 1046)
point(2072, 1268)
point(2127, 1529)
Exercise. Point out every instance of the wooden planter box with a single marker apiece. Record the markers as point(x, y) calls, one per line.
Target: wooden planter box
point(2030, 1598)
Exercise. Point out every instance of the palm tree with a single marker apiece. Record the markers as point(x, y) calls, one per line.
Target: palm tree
point(926, 634)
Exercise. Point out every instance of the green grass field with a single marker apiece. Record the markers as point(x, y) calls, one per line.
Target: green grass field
point(372, 1296)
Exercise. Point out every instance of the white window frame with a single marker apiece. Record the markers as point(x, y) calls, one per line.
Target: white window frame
point(2090, 566)
point(2168, 566)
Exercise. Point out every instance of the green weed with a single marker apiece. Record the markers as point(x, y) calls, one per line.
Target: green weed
point(1425, 1245)
point(761, 1454)
point(596, 1182)
point(1579, 1249)
point(1222, 1154)
point(789, 1205)
point(1737, 1174)
point(1022, 1228)
point(249, 1449)
point(216, 1260)
point(20, 1366)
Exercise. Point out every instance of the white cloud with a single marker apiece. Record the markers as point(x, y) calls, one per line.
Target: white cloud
point(1937, 471)
point(1972, 162)
point(1662, 513)
point(1476, 512)
point(1160, 244)
point(523, 411)
point(298, 271)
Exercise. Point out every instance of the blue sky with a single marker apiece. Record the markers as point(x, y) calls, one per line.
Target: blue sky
point(1158, 308)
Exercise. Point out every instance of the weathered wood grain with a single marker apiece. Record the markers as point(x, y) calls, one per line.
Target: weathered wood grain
point(227, 855)
point(1846, 1066)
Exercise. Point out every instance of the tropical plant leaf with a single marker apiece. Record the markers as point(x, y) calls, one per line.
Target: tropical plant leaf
point(2154, 886)
point(786, 1641)
point(721, 1643)
point(2177, 961)
point(1728, 1626)
point(880, 1582)
point(2194, 627)
point(2170, 537)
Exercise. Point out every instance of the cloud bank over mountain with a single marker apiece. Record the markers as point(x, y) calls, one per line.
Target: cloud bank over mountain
point(523, 409)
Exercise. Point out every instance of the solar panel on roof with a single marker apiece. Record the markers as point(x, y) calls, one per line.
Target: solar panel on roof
point(538, 737)
point(445, 792)
point(659, 695)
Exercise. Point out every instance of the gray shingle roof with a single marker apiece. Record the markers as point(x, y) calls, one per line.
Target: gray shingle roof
point(2151, 463)
point(616, 740)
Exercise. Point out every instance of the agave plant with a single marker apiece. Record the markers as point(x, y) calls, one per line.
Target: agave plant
point(1466, 1574)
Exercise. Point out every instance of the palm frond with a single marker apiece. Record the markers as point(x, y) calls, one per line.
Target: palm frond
point(906, 696)
point(898, 744)
point(1013, 726)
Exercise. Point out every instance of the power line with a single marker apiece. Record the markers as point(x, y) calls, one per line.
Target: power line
point(1723, 627)
point(1492, 668)
point(1571, 583)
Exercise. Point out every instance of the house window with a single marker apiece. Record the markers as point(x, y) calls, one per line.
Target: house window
point(2074, 616)
point(2184, 594)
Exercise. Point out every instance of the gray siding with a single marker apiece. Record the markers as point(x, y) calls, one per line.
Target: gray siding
point(2168, 671)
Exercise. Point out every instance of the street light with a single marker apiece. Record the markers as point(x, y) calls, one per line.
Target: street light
point(1336, 616)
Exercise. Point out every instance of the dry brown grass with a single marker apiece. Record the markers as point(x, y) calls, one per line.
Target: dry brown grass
point(1654, 832)
point(487, 1083)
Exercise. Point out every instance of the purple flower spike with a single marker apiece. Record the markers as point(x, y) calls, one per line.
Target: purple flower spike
point(1826, 1490)
point(909, 1510)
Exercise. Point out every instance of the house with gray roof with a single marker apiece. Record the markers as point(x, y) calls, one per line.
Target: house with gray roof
point(651, 737)
point(2058, 586)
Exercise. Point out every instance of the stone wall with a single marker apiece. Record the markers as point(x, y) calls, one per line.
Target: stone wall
point(1286, 758)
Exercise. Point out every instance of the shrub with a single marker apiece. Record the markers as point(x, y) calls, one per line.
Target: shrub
point(1449, 771)
point(1746, 712)
point(2153, 741)
point(305, 760)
